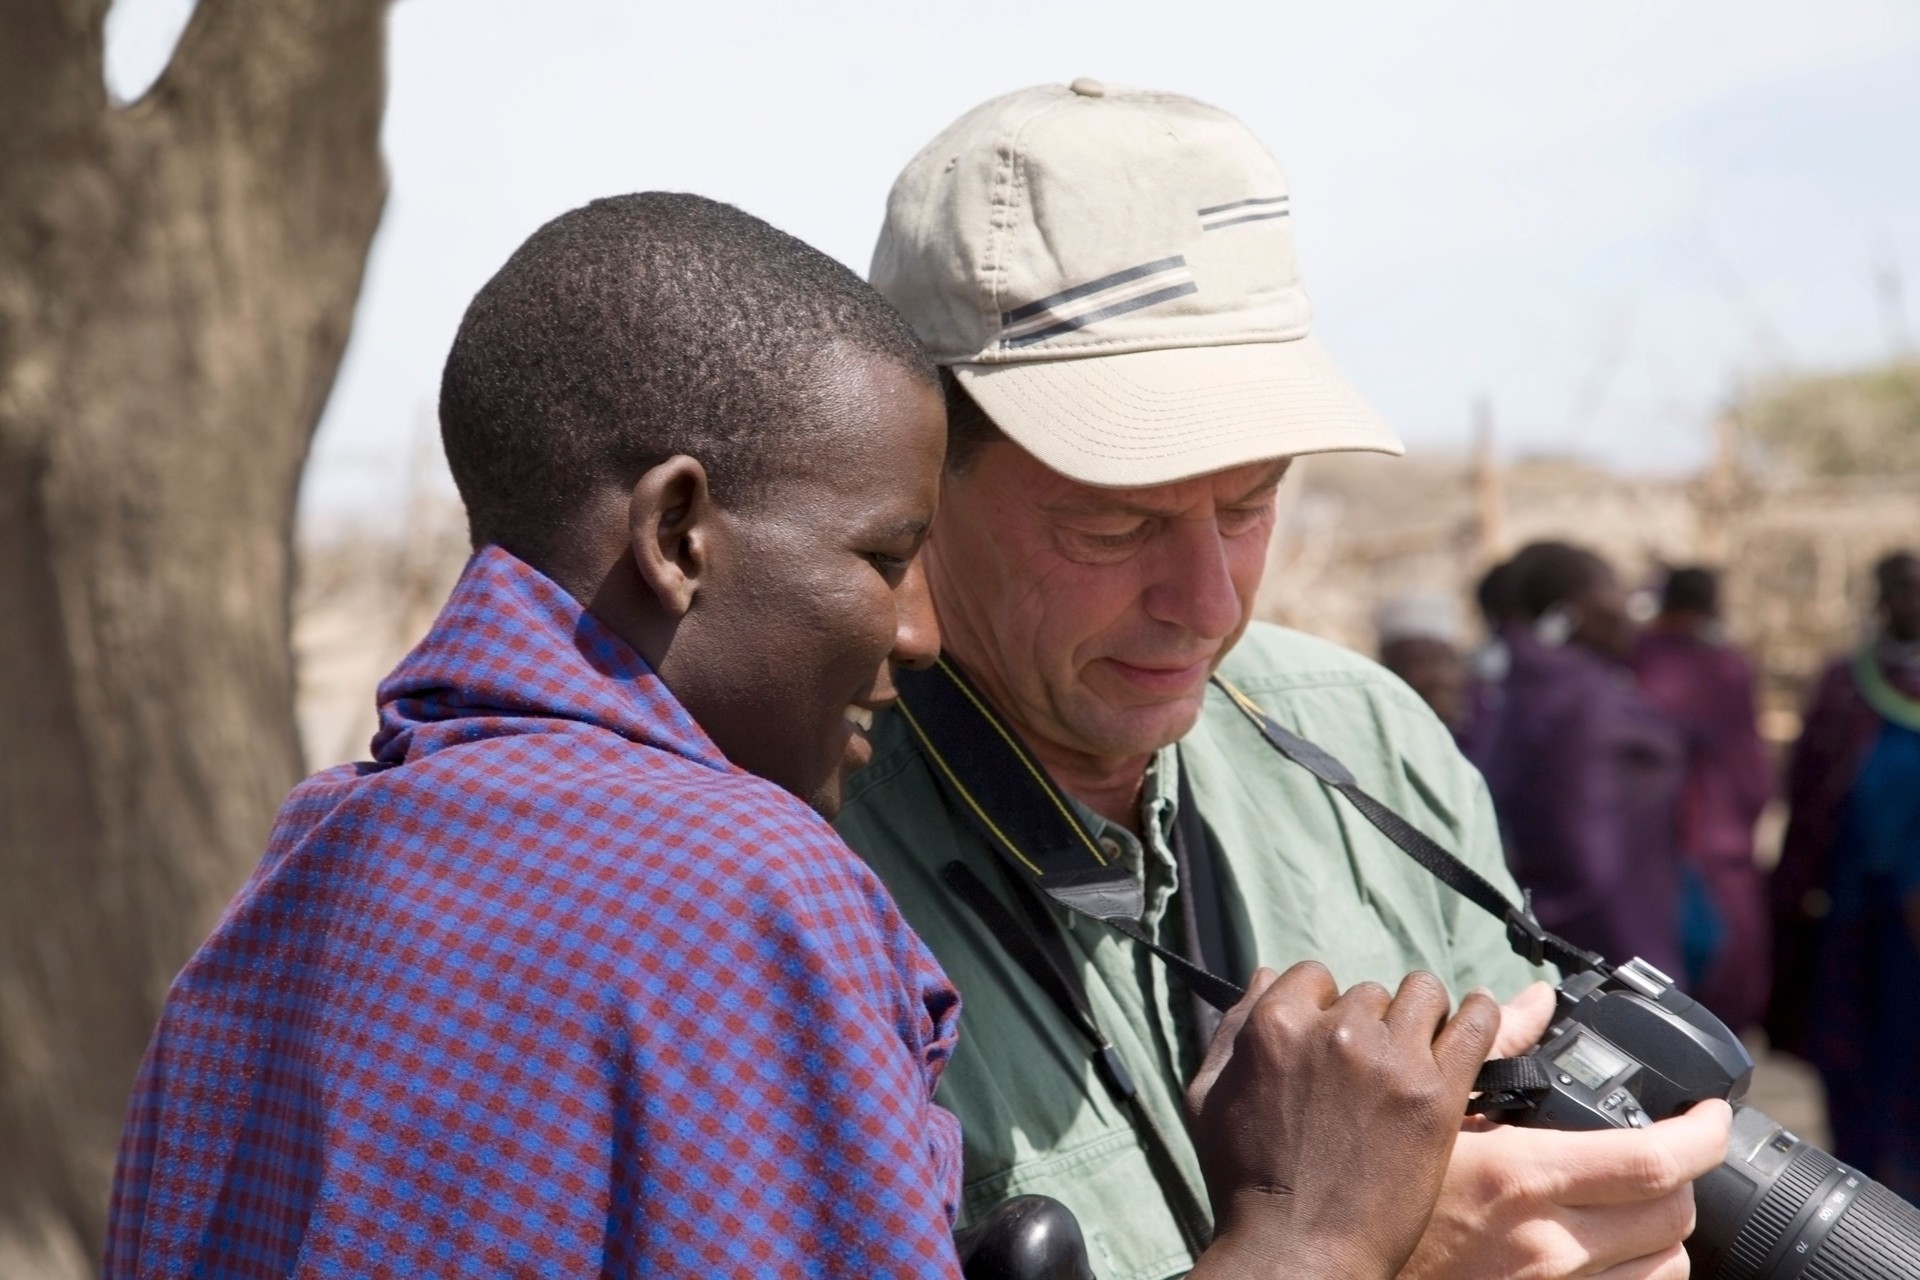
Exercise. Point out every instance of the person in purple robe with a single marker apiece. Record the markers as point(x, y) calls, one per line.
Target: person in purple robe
point(1497, 596)
point(1585, 772)
point(1846, 894)
point(1688, 670)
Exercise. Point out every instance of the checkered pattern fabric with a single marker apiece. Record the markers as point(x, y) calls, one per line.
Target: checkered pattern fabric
point(547, 989)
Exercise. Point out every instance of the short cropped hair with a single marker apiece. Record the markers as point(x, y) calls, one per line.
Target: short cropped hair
point(635, 328)
point(1692, 589)
point(1498, 595)
point(1887, 570)
point(1547, 574)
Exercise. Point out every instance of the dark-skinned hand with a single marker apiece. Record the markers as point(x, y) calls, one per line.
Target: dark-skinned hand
point(1324, 1122)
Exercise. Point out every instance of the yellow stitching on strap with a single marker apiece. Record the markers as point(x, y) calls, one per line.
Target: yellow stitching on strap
point(1247, 705)
point(933, 753)
point(1020, 753)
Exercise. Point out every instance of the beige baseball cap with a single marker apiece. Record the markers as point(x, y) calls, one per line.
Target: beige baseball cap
point(1110, 274)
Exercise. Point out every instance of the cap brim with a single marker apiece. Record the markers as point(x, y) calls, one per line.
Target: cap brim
point(1153, 417)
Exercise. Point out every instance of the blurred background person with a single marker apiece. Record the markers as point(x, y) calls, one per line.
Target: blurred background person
point(1688, 670)
point(1499, 606)
point(1585, 772)
point(1421, 638)
point(1846, 895)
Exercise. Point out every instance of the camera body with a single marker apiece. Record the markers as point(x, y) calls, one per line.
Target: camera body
point(1626, 1048)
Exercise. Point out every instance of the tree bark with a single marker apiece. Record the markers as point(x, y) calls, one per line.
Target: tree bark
point(177, 281)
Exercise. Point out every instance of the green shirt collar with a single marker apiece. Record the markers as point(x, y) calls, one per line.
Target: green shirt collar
point(1150, 860)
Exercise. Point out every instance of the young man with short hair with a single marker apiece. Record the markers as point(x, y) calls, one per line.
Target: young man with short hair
point(570, 980)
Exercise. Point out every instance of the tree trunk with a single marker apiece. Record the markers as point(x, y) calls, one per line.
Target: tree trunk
point(177, 280)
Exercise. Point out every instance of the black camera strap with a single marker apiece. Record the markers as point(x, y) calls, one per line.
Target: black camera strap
point(1038, 951)
point(993, 779)
point(1202, 902)
point(1509, 1084)
point(1524, 933)
point(989, 776)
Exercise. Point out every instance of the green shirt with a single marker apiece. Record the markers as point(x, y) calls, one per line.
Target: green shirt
point(1304, 876)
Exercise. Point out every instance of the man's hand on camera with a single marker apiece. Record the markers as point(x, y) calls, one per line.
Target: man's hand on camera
point(1323, 1121)
point(1534, 1204)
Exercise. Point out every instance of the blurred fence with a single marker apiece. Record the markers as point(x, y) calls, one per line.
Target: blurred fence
point(1354, 530)
point(1796, 554)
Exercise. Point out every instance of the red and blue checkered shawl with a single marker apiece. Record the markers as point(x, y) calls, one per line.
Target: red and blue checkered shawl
point(547, 989)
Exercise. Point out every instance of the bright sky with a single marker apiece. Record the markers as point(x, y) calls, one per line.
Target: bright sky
point(1604, 218)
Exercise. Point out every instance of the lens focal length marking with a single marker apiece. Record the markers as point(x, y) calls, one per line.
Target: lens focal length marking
point(1829, 1212)
point(1797, 1247)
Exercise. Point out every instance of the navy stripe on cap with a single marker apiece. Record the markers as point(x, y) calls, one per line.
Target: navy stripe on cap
point(1117, 309)
point(1035, 307)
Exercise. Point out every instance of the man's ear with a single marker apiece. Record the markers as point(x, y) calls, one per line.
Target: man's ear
point(670, 531)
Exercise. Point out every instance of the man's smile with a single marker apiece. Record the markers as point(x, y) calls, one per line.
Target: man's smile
point(1160, 678)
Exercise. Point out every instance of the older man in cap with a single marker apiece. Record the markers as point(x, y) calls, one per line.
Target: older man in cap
point(1108, 280)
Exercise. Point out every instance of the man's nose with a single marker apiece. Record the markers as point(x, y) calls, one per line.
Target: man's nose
point(916, 634)
point(1194, 587)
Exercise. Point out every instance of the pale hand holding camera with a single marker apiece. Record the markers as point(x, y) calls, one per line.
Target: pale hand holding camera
point(1539, 1204)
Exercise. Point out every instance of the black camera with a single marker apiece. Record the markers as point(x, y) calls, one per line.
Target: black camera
point(1627, 1048)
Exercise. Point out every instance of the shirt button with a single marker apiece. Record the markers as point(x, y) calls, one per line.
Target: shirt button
point(1110, 845)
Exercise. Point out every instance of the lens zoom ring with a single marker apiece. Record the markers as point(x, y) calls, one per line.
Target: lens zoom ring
point(1877, 1238)
point(1804, 1173)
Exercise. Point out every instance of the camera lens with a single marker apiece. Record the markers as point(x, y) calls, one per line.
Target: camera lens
point(1779, 1208)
